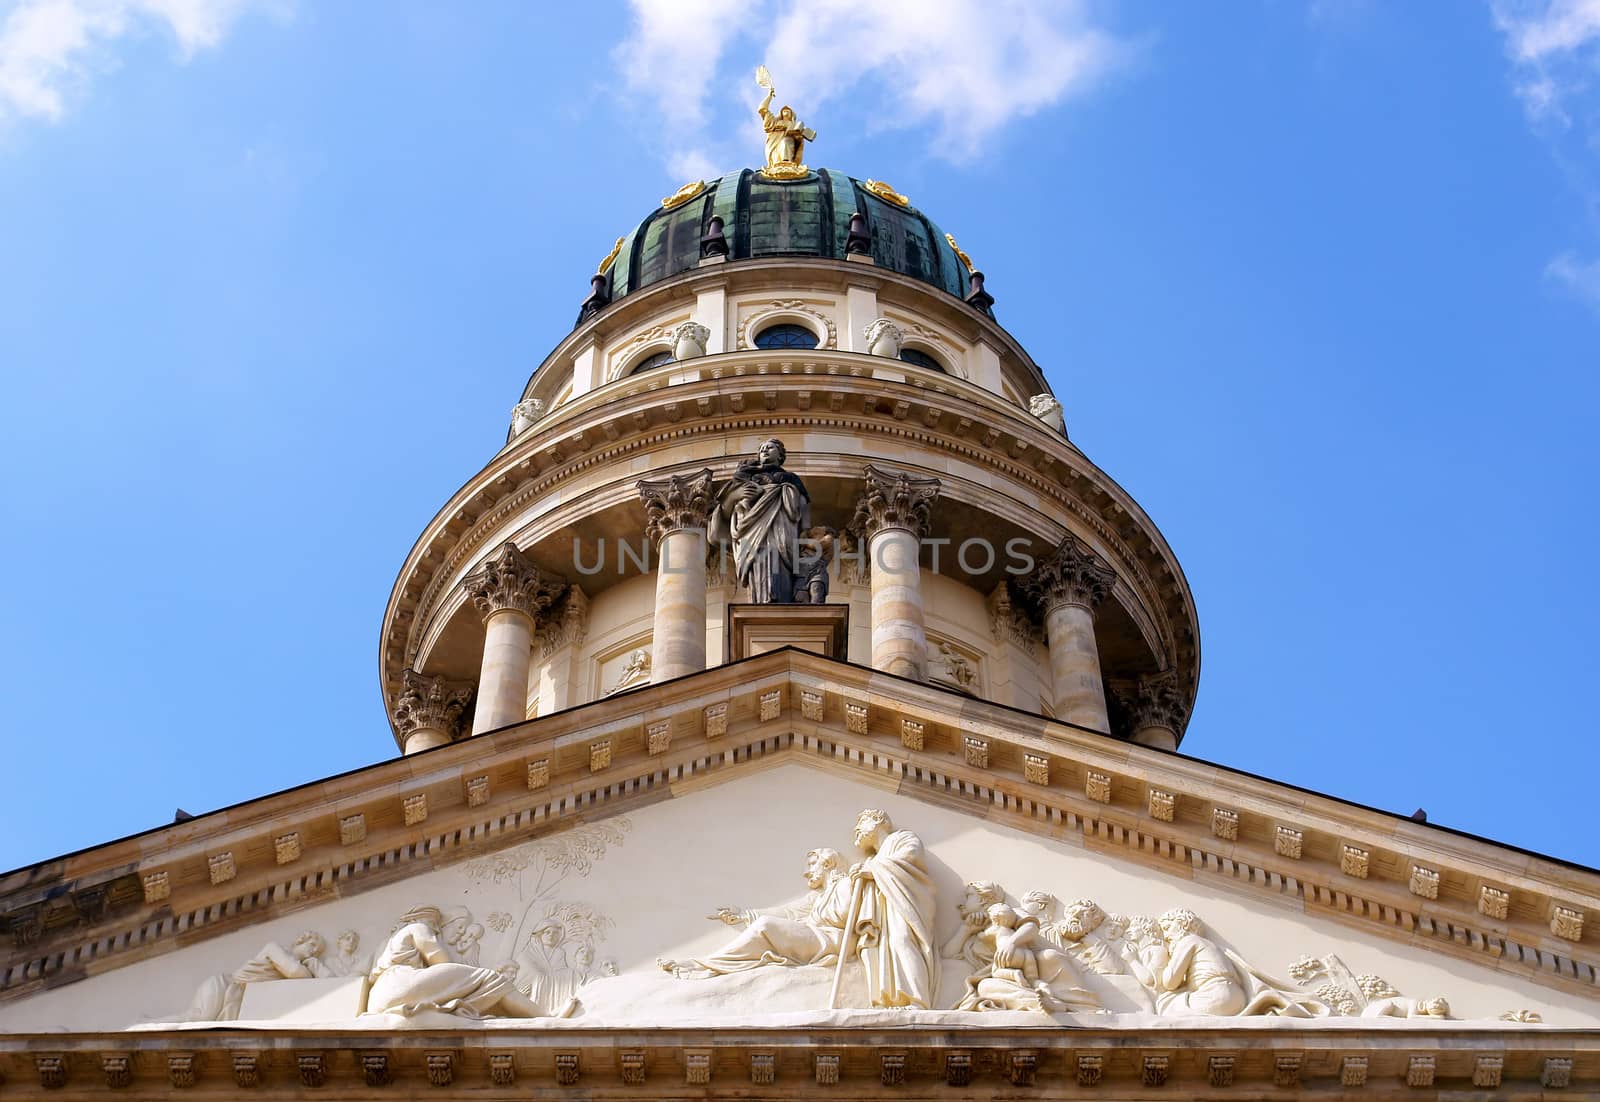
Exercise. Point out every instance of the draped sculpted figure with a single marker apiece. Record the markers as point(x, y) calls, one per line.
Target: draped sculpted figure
point(416, 971)
point(893, 930)
point(807, 934)
point(763, 509)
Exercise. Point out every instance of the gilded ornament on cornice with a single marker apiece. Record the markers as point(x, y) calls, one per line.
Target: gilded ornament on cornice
point(610, 258)
point(683, 195)
point(888, 194)
point(960, 255)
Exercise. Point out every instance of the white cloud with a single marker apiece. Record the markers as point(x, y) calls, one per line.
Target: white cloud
point(1580, 279)
point(692, 164)
point(671, 54)
point(50, 48)
point(1554, 44)
point(966, 68)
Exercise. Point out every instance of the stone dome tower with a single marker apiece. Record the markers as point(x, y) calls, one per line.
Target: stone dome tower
point(833, 315)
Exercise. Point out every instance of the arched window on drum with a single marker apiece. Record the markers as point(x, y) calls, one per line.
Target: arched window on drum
point(655, 360)
point(786, 335)
point(918, 358)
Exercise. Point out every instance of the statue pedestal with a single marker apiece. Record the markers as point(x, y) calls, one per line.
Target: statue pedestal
point(756, 629)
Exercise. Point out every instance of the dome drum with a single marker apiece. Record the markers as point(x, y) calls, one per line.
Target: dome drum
point(568, 489)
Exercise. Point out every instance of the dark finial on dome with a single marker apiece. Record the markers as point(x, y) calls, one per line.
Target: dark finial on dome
point(599, 298)
point(714, 242)
point(977, 296)
point(859, 240)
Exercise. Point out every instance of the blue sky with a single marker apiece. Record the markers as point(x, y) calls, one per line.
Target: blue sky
point(1318, 283)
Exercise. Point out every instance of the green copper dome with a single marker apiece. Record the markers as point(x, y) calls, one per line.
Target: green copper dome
point(763, 217)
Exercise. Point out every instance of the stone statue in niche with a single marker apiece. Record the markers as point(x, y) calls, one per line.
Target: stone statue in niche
point(892, 914)
point(816, 552)
point(763, 509)
point(417, 971)
point(524, 414)
point(218, 999)
point(807, 934)
point(689, 341)
point(1047, 409)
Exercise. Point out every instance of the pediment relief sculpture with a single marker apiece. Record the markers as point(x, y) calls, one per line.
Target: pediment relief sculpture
point(874, 931)
point(220, 998)
point(1037, 956)
point(418, 970)
point(635, 672)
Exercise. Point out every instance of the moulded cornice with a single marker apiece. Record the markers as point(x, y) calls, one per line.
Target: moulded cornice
point(1045, 777)
point(979, 1061)
point(783, 273)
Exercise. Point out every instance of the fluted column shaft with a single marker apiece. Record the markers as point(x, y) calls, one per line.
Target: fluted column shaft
point(892, 516)
point(1069, 585)
point(509, 592)
point(677, 511)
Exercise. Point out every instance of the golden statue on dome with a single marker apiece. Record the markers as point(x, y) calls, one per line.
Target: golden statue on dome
point(786, 136)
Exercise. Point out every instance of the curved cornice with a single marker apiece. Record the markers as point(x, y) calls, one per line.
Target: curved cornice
point(779, 390)
point(779, 273)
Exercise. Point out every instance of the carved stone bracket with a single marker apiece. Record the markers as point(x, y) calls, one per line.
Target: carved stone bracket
point(431, 703)
point(509, 579)
point(893, 499)
point(673, 504)
point(1072, 574)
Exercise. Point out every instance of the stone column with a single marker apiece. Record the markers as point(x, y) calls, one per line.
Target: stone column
point(677, 511)
point(892, 518)
point(429, 709)
point(1158, 709)
point(1068, 585)
point(509, 592)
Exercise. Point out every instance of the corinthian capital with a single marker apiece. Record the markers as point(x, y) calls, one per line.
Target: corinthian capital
point(430, 703)
point(673, 504)
point(1155, 701)
point(509, 579)
point(1072, 574)
point(893, 499)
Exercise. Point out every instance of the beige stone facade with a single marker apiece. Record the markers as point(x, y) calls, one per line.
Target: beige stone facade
point(938, 823)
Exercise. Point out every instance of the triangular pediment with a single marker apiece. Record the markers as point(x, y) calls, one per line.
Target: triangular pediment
point(584, 847)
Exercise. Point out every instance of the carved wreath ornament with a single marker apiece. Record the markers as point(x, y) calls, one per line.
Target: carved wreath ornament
point(777, 310)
